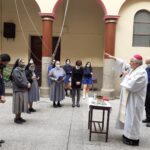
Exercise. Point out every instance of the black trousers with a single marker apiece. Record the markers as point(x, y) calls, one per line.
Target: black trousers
point(74, 93)
point(147, 104)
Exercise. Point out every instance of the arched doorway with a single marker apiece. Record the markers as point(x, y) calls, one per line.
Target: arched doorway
point(83, 36)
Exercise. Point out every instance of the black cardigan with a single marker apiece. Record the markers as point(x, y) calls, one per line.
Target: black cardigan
point(77, 75)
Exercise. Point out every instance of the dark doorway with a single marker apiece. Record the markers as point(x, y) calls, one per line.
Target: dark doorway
point(57, 56)
point(36, 52)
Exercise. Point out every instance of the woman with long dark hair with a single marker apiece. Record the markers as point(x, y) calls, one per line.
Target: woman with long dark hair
point(87, 79)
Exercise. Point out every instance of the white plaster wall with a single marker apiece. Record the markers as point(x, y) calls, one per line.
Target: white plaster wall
point(124, 33)
point(20, 47)
point(46, 6)
point(113, 6)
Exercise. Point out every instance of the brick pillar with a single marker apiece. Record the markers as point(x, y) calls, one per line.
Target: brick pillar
point(108, 73)
point(47, 22)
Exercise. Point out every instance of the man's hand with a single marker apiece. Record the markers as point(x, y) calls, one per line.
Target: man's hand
point(2, 99)
point(78, 83)
point(38, 78)
point(109, 56)
point(29, 85)
point(33, 77)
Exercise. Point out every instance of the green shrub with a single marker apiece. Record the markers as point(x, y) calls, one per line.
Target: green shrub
point(6, 73)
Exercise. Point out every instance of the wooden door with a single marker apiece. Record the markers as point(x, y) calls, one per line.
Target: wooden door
point(36, 52)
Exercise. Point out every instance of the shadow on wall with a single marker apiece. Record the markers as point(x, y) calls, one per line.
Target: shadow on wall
point(98, 75)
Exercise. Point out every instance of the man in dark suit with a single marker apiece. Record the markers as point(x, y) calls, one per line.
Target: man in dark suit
point(4, 60)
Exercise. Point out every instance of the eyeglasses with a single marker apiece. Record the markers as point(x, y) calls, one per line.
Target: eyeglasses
point(132, 61)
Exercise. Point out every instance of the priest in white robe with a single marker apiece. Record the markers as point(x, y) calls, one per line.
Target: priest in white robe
point(132, 98)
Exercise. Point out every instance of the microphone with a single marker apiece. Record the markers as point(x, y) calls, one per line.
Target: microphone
point(126, 69)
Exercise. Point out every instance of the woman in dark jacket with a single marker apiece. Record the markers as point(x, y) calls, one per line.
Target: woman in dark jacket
point(76, 82)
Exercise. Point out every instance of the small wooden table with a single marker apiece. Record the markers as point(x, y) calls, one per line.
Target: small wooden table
point(104, 106)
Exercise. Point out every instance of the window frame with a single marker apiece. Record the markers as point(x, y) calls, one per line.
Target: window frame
point(134, 44)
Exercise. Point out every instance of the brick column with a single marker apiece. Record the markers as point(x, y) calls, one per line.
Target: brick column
point(47, 22)
point(108, 73)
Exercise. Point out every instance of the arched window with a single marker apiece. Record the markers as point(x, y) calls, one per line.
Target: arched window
point(141, 29)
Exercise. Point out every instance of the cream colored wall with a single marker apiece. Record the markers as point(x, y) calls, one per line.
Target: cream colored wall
point(19, 47)
point(124, 48)
point(84, 32)
point(113, 6)
point(46, 5)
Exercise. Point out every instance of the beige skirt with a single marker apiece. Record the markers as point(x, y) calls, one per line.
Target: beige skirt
point(20, 102)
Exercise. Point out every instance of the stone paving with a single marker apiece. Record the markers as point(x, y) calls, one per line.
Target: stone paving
point(62, 128)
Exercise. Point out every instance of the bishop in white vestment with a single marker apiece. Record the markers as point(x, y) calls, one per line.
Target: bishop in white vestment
point(132, 99)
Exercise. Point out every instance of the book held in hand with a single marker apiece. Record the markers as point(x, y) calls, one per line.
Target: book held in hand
point(60, 78)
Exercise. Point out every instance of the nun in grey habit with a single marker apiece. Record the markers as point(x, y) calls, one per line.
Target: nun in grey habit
point(57, 92)
point(20, 90)
point(33, 94)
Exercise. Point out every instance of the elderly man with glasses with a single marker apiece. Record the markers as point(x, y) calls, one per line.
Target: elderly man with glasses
point(132, 98)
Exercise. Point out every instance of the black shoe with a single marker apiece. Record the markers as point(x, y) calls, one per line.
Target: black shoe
point(148, 125)
point(18, 121)
point(32, 110)
point(59, 105)
point(54, 105)
point(2, 141)
point(78, 105)
point(146, 121)
point(21, 119)
point(73, 105)
point(29, 112)
point(130, 141)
